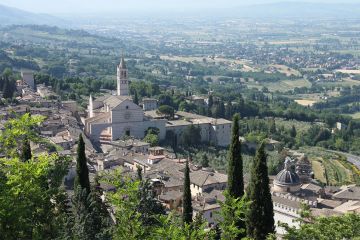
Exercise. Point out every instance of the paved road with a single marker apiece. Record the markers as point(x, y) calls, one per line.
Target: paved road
point(350, 157)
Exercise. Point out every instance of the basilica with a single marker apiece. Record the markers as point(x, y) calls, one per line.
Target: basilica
point(112, 117)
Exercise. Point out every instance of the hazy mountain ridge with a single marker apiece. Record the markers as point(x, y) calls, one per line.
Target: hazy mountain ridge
point(9, 16)
point(298, 10)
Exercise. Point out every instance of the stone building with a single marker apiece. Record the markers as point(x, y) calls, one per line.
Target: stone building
point(149, 104)
point(28, 78)
point(112, 117)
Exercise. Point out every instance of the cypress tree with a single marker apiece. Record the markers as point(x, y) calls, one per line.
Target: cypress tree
point(293, 131)
point(235, 187)
point(136, 98)
point(272, 126)
point(210, 101)
point(187, 205)
point(260, 217)
point(205, 161)
point(7, 89)
point(25, 151)
point(228, 110)
point(83, 221)
point(82, 171)
point(235, 163)
point(139, 173)
point(210, 105)
point(100, 217)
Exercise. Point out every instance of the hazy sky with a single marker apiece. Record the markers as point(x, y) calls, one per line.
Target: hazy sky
point(92, 6)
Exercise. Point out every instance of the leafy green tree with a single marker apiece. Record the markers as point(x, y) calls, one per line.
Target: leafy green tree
point(167, 110)
point(335, 227)
point(260, 217)
point(18, 130)
point(149, 207)
point(82, 171)
point(233, 211)
point(29, 197)
point(125, 202)
point(187, 205)
point(151, 138)
point(170, 228)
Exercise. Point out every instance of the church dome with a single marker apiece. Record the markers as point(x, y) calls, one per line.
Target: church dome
point(287, 180)
point(287, 177)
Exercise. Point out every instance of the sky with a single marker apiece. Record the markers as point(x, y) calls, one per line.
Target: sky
point(96, 6)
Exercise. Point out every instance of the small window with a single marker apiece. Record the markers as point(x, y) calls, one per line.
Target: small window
point(210, 214)
point(127, 107)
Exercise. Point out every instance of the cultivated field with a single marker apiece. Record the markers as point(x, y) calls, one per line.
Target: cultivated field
point(348, 71)
point(286, 70)
point(330, 168)
point(305, 102)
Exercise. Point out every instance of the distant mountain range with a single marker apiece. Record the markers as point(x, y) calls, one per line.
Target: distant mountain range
point(280, 10)
point(9, 15)
point(299, 10)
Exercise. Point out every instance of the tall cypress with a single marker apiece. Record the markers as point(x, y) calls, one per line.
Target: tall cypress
point(7, 89)
point(136, 98)
point(187, 205)
point(260, 217)
point(82, 171)
point(235, 187)
point(210, 105)
point(25, 151)
point(235, 164)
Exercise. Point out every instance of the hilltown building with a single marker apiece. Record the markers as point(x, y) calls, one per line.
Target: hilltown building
point(112, 117)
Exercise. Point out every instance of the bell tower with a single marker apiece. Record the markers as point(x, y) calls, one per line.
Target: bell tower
point(122, 79)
